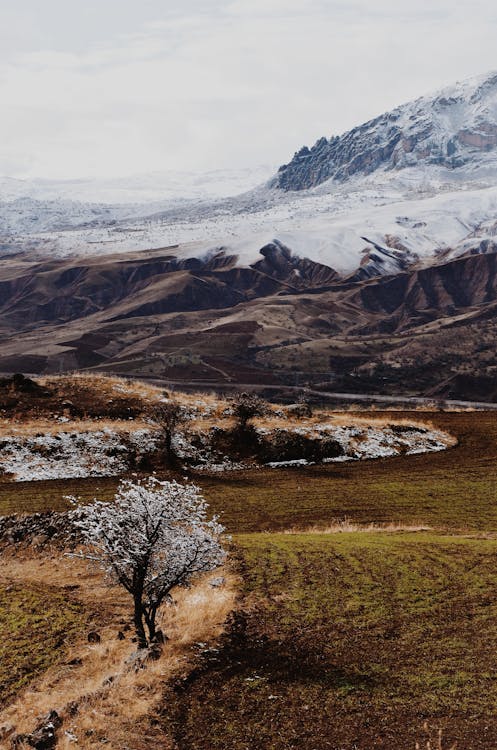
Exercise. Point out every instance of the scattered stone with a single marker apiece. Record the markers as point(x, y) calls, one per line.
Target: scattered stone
point(44, 736)
point(217, 582)
point(6, 731)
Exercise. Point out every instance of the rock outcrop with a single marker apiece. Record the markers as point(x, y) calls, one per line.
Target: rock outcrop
point(450, 129)
point(39, 530)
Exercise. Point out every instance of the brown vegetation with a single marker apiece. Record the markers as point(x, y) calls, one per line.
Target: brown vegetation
point(101, 691)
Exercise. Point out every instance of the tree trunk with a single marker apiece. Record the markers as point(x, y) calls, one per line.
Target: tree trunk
point(138, 622)
point(150, 620)
point(151, 629)
point(171, 459)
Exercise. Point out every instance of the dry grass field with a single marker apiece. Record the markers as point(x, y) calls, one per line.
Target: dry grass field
point(103, 696)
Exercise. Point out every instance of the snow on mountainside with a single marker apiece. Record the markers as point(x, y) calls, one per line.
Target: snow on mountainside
point(449, 129)
point(28, 206)
point(157, 187)
point(331, 229)
point(416, 185)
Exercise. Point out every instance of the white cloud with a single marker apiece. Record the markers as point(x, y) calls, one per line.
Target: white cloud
point(121, 87)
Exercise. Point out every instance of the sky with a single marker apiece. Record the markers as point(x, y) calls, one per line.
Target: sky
point(110, 88)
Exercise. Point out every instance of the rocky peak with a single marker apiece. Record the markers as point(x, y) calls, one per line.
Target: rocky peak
point(280, 263)
point(450, 129)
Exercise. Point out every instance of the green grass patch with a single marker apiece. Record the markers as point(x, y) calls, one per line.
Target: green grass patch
point(352, 640)
point(453, 489)
point(36, 624)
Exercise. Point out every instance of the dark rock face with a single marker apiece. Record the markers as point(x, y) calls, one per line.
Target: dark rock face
point(340, 157)
point(299, 273)
point(428, 131)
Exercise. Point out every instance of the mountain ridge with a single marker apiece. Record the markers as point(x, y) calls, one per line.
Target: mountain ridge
point(415, 213)
point(443, 129)
point(213, 322)
point(382, 282)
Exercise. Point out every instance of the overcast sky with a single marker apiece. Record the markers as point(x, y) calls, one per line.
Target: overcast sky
point(116, 87)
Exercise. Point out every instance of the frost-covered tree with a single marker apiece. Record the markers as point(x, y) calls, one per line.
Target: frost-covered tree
point(154, 536)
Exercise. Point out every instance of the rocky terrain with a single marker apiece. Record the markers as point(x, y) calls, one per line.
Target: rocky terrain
point(39, 444)
point(452, 129)
point(281, 322)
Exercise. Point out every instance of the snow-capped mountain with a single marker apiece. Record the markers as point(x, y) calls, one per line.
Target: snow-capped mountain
point(29, 206)
point(410, 188)
point(451, 129)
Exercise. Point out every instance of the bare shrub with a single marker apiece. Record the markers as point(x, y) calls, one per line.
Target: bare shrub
point(168, 415)
point(245, 407)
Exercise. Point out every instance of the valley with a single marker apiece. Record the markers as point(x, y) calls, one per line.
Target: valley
point(365, 265)
point(311, 350)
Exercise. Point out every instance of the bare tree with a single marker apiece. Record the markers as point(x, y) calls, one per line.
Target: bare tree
point(153, 537)
point(245, 407)
point(169, 415)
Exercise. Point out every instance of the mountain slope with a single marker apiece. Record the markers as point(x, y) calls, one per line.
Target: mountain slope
point(451, 129)
point(421, 331)
point(368, 264)
point(416, 182)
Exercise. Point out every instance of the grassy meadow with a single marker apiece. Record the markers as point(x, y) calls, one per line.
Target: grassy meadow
point(37, 625)
point(350, 640)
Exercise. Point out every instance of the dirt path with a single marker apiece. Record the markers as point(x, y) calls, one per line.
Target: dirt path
point(99, 690)
point(349, 398)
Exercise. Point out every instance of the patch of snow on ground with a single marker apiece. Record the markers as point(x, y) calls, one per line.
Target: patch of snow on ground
point(295, 462)
point(373, 442)
point(65, 455)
